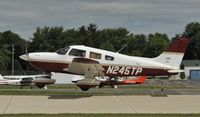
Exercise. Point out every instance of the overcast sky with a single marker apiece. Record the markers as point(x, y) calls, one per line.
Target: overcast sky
point(138, 16)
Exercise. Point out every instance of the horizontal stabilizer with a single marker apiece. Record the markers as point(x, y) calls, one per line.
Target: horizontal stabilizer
point(176, 71)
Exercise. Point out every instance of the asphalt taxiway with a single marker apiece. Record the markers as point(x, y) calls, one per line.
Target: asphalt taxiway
point(99, 104)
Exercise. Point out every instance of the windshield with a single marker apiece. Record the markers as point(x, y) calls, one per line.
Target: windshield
point(63, 51)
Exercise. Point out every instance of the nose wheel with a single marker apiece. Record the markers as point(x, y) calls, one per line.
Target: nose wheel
point(84, 88)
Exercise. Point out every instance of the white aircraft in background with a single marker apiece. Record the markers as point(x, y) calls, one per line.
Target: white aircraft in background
point(27, 80)
point(96, 64)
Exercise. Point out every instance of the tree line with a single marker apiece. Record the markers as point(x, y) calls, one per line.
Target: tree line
point(47, 39)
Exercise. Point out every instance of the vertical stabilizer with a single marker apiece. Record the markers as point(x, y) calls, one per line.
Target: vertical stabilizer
point(173, 55)
point(1, 77)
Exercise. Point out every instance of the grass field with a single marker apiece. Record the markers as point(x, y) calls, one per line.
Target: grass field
point(92, 92)
point(100, 115)
point(72, 90)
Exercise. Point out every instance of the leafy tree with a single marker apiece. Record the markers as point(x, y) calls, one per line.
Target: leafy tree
point(40, 40)
point(116, 37)
point(92, 36)
point(107, 46)
point(192, 30)
point(8, 38)
point(70, 37)
point(82, 35)
point(136, 45)
point(4, 58)
point(156, 44)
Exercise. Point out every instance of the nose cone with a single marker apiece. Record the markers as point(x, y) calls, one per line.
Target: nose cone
point(24, 57)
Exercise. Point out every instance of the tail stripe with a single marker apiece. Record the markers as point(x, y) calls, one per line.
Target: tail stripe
point(174, 54)
point(178, 46)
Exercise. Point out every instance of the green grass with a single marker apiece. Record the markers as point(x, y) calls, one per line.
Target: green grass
point(92, 92)
point(70, 90)
point(100, 115)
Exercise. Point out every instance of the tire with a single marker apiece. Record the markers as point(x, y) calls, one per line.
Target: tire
point(40, 85)
point(84, 88)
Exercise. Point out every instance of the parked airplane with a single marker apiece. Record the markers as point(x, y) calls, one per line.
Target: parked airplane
point(113, 82)
point(121, 81)
point(26, 80)
point(92, 62)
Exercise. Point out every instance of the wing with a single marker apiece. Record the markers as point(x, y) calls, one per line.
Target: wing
point(89, 68)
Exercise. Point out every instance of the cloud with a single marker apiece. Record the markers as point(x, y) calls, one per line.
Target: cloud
point(138, 16)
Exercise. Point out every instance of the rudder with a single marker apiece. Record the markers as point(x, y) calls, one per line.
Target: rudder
point(173, 55)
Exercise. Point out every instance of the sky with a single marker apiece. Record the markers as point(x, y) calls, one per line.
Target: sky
point(138, 16)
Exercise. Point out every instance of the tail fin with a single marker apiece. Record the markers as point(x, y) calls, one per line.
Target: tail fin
point(1, 77)
point(173, 55)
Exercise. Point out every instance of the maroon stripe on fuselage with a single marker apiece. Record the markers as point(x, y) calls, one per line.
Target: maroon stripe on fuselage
point(120, 72)
point(144, 72)
point(50, 66)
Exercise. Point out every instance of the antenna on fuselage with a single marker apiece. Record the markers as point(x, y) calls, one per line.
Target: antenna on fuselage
point(13, 57)
point(122, 48)
point(26, 52)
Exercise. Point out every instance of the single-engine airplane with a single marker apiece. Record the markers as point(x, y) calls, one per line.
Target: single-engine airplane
point(96, 63)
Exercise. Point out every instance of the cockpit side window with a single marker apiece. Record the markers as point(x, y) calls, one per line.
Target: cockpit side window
point(95, 55)
point(77, 52)
point(109, 58)
point(63, 51)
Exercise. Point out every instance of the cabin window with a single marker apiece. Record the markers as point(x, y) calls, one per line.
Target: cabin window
point(44, 76)
point(109, 58)
point(95, 55)
point(77, 52)
point(27, 79)
point(63, 51)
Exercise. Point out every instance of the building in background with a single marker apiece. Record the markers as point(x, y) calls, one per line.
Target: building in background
point(192, 69)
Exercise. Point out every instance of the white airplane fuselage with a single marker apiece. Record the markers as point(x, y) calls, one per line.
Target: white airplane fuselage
point(114, 64)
